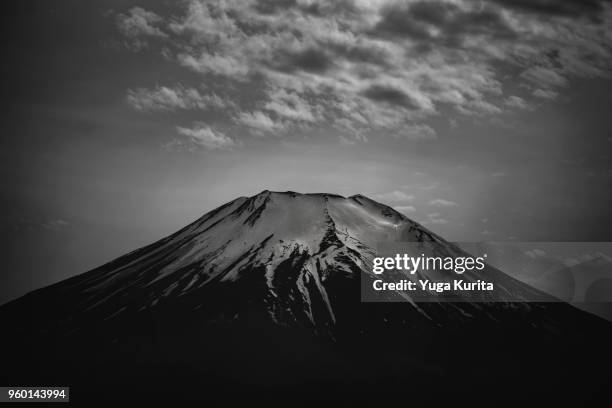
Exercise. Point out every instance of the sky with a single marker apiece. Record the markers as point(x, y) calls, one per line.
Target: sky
point(123, 122)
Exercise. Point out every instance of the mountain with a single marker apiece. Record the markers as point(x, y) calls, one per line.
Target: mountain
point(264, 292)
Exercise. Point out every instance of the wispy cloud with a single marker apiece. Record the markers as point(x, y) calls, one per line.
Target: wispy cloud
point(55, 225)
point(259, 122)
point(436, 219)
point(394, 196)
point(416, 132)
point(517, 102)
point(291, 106)
point(200, 136)
point(545, 94)
point(535, 253)
point(164, 98)
point(442, 203)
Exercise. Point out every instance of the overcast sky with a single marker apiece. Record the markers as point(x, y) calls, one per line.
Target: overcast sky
point(483, 120)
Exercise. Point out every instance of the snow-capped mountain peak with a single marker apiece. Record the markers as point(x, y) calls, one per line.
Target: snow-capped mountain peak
point(295, 258)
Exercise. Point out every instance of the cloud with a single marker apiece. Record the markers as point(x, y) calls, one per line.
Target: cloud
point(545, 94)
point(201, 136)
point(259, 121)
point(224, 65)
point(394, 196)
point(479, 107)
point(137, 25)
point(55, 225)
point(517, 102)
point(429, 186)
point(544, 76)
point(435, 218)
point(442, 203)
point(290, 105)
point(437, 221)
point(310, 60)
point(415, 132)
point(535, 253)
point(171, 99)
point(390, 95)
point(370, 68)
